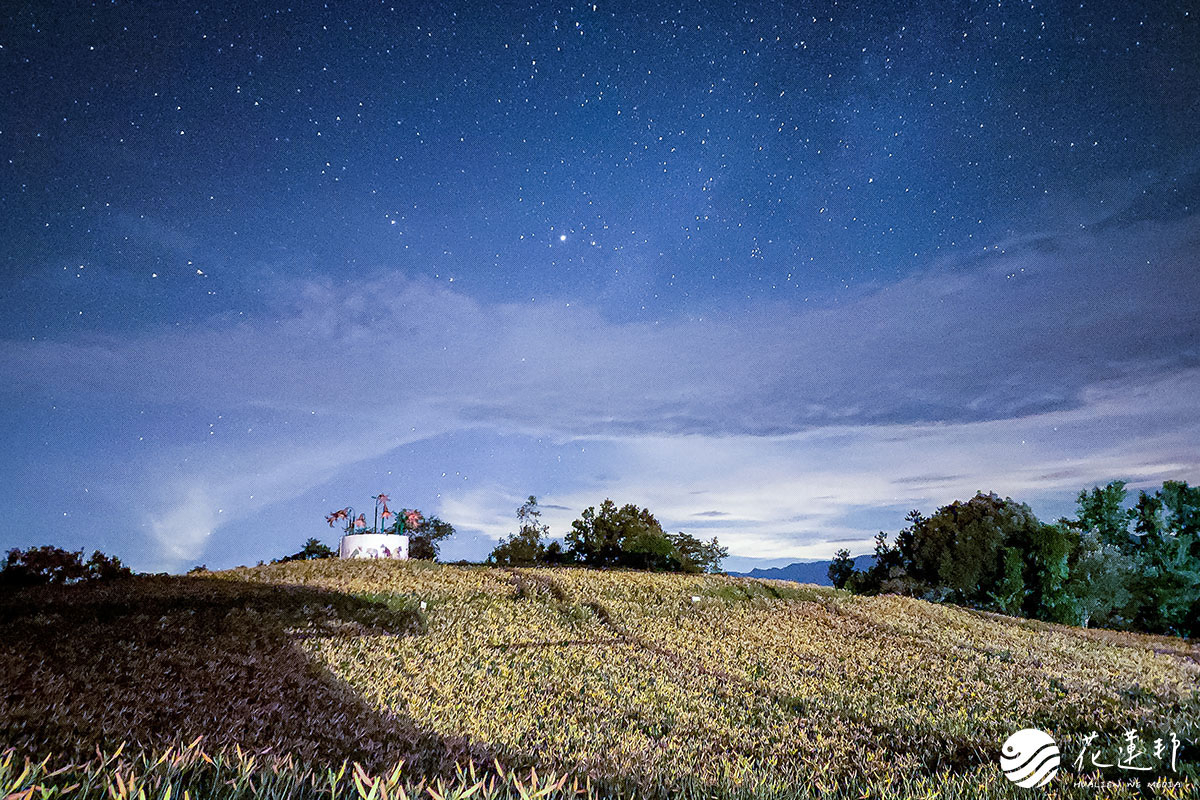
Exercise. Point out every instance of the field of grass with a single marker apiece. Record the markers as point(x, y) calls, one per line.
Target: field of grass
point(616, 682)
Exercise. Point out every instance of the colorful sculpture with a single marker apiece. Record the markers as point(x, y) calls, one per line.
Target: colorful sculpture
point(359, 541)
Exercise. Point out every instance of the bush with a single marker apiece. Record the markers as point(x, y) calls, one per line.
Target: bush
point(312, 549)
point(52, 565)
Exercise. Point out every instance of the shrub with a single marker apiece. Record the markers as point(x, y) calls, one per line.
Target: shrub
point(53, 565)
point(313, 548)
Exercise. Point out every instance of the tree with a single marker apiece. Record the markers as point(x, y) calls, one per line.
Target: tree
point(555, 553)
point(1098, 581)
point(425, 539)
point(888, 573)
point(1102, 564)
point(1168, 587)
point(986, 552)
point(53, 565)
point(313, 549)
point(1148, 521)
point(525, 547)
point(643, 542)
point(1182, 506)
point(993, 553)
point(1010, 593)
point(1165, 583)
point(841, 568)
point(695, 555)
point(1102, 510)
point(1047, 558)
point(103, 567)
point(632, 537)
point(595, 539)
point(959, 549)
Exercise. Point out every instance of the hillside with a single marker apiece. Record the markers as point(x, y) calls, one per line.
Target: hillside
point(663, 682)
point(814, 572)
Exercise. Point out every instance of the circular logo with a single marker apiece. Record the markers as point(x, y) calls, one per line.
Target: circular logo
point(1029, 758)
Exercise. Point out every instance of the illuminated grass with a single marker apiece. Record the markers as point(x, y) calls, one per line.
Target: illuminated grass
point(667, 684)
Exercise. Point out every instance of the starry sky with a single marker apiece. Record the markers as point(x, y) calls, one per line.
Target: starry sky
point(779, 272)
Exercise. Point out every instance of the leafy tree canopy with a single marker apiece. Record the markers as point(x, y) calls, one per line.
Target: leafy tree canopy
point(993, 553)
point(53, 565)
point(629, 536)
point(425, 540)
point(525, 547)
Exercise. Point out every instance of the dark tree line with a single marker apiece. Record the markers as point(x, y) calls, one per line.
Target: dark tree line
point(627, 536)
point(313, 549)
point(54, 566)
point(1135, 568)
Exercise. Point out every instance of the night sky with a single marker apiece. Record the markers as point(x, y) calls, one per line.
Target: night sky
point(778, 271)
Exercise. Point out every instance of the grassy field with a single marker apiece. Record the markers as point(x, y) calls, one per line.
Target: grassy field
point(614, 682)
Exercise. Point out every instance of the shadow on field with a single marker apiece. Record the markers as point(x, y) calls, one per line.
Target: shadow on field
point(154, 661)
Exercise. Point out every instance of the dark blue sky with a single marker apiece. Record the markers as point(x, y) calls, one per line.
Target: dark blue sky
point(778, 271)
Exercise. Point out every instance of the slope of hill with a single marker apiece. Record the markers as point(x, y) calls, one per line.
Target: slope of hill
point(814, 572)
point(663, 683)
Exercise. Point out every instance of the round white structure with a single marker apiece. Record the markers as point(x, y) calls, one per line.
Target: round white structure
point(374, 545)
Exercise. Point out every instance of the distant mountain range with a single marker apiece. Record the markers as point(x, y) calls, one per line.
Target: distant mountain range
point(805, 571)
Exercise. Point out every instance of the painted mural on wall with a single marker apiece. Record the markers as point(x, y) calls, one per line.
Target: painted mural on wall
point(374, 545)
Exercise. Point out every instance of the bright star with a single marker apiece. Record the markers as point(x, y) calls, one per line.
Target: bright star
point(562, 237)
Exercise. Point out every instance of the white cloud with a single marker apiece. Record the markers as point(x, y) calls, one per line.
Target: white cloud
point(796, 495)
point(490, 511)
point(1033, 371)
point(182, 527)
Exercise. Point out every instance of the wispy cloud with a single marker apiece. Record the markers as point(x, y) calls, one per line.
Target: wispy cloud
point(182, 528)
point(790, 420)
